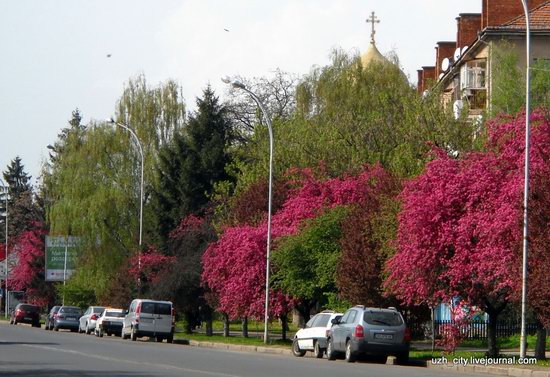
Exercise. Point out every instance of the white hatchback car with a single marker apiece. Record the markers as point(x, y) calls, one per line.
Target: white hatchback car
point(110, 322)
point(313, 337)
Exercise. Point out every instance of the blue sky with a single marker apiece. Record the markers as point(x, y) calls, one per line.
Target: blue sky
point(54, 52)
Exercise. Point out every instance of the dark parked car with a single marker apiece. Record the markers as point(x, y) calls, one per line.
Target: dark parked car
point(50, 318)
point(67, 318)
point(369, 331)
point(26, 313)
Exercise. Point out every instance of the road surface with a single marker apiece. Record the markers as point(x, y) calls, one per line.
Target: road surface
point(26, 351)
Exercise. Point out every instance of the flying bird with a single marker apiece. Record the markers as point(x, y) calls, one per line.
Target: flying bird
point(108, 55)
point(226, 30)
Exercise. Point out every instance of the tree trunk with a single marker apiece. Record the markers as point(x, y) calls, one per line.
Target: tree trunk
point(493, 310)
point(304, 308)
point(540, 347)
point(225, 325)
point(245, 327)
point(189, 323)
point(433, 328)
point(207, 317)
point(284, 325)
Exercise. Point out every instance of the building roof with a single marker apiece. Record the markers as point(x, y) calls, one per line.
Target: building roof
point(539, 19)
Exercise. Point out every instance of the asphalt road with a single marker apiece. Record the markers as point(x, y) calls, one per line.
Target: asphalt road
point(26, 351)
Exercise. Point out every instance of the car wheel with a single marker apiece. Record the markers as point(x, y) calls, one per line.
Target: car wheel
point(170, 339)
point(296, 351)
point(403, 358)
point(159, 339)
point(331, 355)
point(88, 330)
point(318, 351)
point(350, 357)
point(55, 328)
point(133, 335)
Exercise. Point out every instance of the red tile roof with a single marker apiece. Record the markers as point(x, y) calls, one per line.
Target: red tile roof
point(539, 19)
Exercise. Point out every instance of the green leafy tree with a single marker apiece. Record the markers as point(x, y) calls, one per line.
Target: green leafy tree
point(508, 81)
point(348, 115)
point(92, 185)
point(305, 263)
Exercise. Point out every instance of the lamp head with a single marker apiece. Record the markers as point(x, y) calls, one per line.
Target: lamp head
point(234, 84)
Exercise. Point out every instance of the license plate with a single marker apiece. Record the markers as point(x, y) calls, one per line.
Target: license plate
point(71, 319)
point(383, 336)
point(28, 319)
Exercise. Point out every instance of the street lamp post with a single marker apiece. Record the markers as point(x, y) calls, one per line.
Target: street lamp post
point(6, 308)
point(239, 85)
point(112, 121)
point(523, 338)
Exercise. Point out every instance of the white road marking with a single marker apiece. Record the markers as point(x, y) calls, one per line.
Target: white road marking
point(106, 358)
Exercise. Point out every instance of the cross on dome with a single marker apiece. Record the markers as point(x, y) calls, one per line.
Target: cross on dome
point(373, 20)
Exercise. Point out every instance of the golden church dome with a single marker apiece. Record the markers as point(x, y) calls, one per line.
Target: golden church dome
point(372, 55)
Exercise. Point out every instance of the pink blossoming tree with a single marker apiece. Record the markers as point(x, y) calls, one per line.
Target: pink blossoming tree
point(460, 226)
point(28, 274)
point(234, 266)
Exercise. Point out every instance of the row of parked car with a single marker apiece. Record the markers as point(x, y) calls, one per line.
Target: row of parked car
point(357, 332)
point(144, 317)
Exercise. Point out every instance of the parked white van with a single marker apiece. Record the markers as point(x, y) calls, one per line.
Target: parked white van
point(155, 319)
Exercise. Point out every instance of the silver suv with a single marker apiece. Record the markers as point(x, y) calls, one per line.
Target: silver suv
point(369, 331)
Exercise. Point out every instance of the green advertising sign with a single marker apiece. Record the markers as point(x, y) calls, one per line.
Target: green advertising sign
point(61, 257)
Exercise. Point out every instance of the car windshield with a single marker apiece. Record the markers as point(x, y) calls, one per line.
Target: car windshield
point(321, 320)
point(98, 310)
point(29, 308)
point(70, 309)
point(380, 318)
point(114, 314)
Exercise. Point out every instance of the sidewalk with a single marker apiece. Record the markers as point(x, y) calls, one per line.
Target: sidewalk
point(427, 346)
point(468, 365)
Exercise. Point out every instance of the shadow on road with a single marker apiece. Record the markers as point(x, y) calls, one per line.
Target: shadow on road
point(69, 373)
point(27, 343)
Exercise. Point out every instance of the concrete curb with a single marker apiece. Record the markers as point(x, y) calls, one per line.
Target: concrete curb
point(235, 347)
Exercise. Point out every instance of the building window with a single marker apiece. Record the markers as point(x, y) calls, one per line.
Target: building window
point(472, 75)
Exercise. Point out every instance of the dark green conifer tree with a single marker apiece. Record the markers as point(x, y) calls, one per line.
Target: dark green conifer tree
point(192, 163)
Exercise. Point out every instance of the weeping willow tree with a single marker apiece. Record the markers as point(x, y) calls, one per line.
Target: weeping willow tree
point(348, 115)
point(93, 183)
point(508, 81)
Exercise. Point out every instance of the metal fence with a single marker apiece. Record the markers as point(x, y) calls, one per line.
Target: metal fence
point(479, 329)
